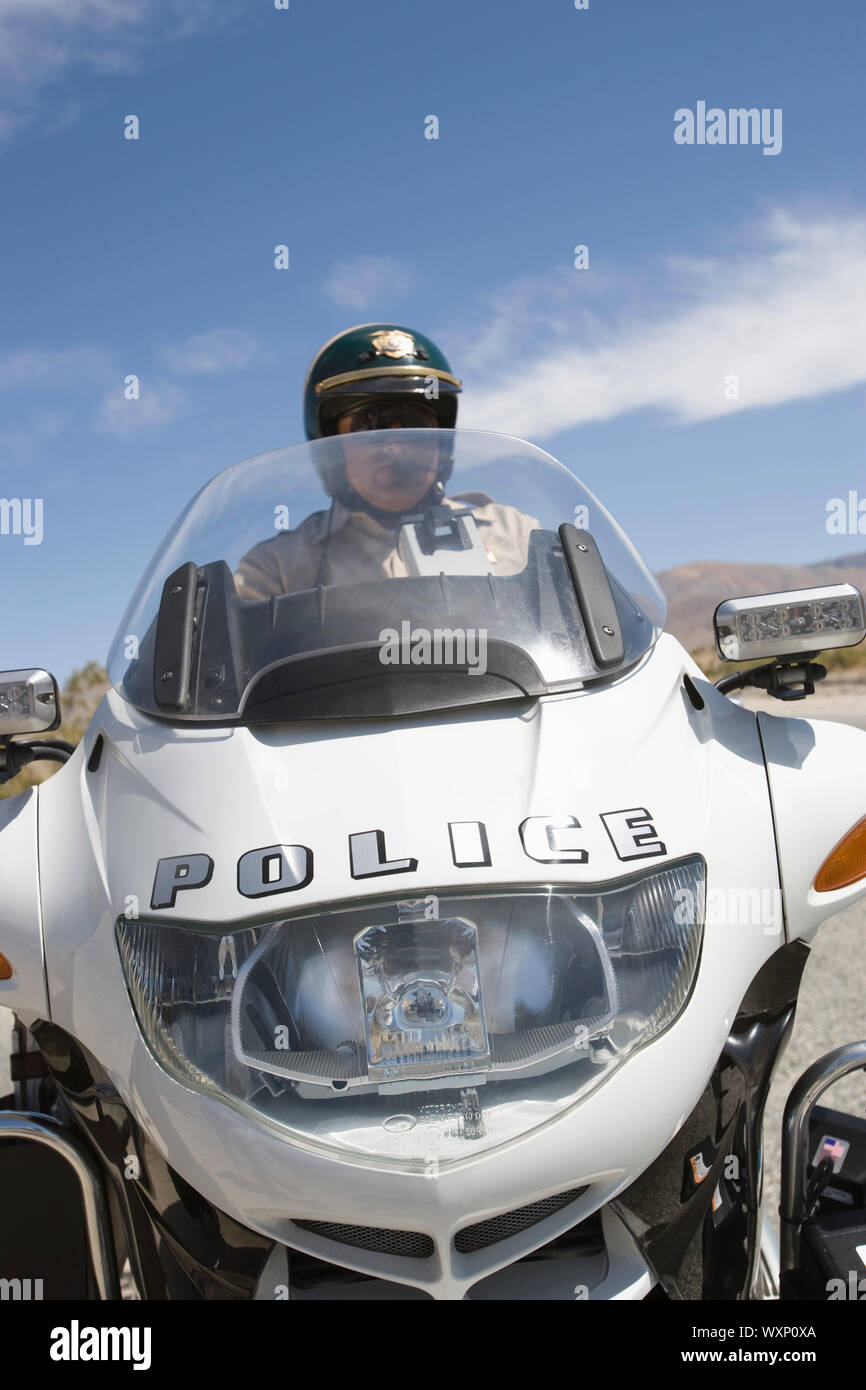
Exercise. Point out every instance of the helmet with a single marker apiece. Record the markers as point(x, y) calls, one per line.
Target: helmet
point(377, 363)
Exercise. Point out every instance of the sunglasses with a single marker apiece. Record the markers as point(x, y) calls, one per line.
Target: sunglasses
point(385, 417)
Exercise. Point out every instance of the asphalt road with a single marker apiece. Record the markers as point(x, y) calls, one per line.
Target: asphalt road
point(832, 1007)
point(831, 1012)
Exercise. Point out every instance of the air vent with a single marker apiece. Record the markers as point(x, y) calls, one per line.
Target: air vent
point(410, 1245)
point(511, 1223)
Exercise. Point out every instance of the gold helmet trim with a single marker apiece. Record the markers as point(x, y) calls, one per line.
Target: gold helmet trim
point(367, 372)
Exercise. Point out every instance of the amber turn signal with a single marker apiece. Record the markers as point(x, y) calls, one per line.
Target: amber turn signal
point(6, 971)
point(846, 863)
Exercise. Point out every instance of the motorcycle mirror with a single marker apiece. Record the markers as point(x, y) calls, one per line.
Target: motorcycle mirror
point(790, 623)
point(29, 702)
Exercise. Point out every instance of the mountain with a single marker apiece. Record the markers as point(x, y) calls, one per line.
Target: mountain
point(694, 591)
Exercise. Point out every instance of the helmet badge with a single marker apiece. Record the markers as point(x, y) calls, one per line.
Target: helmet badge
point(392, 343)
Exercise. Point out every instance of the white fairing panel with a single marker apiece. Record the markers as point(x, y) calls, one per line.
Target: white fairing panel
point(817, 774)
point(696, 779)
point(20, 924)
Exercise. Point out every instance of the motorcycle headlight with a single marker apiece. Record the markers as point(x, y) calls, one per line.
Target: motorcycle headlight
point(486, 1013)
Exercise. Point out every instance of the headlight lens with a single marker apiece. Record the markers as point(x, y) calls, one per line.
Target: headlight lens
point(486, 1013)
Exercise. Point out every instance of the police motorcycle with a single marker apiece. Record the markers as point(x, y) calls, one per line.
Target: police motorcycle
point(363, 948)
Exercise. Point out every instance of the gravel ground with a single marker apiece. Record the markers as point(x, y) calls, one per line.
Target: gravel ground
point(838, 698)
point(832, 1007)
point(831, 1011)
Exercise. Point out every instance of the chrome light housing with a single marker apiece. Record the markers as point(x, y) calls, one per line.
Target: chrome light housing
point(790, 623)
point(487, 1013)
point(29, 702)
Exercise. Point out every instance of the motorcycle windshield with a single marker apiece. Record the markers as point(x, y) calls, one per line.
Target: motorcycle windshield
point(383, 572)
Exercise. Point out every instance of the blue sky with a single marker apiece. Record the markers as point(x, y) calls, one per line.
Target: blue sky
point(306, 127)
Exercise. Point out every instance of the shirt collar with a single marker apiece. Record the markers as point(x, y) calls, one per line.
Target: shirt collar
point(340, 515)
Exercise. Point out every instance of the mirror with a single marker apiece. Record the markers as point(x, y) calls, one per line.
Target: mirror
point(29, 702)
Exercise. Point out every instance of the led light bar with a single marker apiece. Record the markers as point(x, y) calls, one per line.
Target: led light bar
point(788, 624)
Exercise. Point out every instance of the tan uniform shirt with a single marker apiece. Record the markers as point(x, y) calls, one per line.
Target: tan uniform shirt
point(360, 548)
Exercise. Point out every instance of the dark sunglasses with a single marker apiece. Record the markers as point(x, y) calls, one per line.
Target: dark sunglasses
point(385, 417)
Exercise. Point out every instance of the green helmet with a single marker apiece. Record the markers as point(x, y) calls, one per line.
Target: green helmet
point(377, 362)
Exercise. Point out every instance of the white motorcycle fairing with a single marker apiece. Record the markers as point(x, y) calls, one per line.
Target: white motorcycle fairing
point(159, 791)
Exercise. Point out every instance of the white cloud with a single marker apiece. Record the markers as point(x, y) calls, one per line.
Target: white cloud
point(43, 42)
point(57, 368)
point(529, 311)
point(222, 350)
point(159, 403)
point(364, 281)
point(787, 319)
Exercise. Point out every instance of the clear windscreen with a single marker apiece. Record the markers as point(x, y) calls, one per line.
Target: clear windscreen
point(379, 572)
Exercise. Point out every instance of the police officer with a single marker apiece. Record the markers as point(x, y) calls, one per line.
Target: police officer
point(377, 376)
